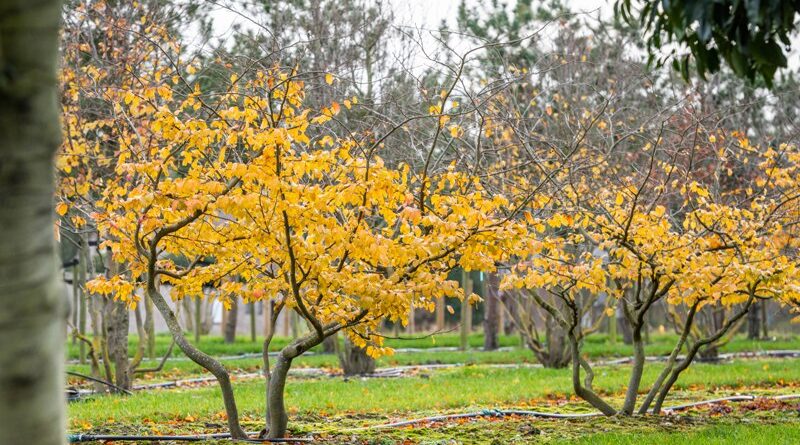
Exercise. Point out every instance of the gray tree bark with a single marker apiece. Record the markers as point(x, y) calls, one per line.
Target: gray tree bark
point(491, 321)
point(229, 328)
point(354, 360)
point(33, 318)
point(207, 362)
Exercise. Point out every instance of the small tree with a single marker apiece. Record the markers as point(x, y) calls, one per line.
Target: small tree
point(626, 245)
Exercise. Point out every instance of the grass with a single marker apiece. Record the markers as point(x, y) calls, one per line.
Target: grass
point(459, 388)
point(595, 348)
point(596, 345)
point(781, 434)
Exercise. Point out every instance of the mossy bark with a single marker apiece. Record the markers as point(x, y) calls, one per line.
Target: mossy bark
point(34, 302)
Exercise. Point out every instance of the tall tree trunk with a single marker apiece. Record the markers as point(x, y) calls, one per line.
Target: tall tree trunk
point(252, 322)
point(440, 308)
point(198, 319)
point(466, 311)
point(150, 327)
point(329, 345)
point(229, 327)
point(34, 303)
point(612, 328)
point(117, 333)
point(411, 327)
point(354, 360)
point(75, 301)
point(491, 320)
point(624, 326)
point(754, 322)
point(83, 302)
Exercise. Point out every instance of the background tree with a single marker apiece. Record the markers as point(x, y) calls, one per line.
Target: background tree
point(747, 36)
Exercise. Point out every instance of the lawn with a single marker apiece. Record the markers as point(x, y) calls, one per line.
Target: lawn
point(331, 405)
point(596, 345)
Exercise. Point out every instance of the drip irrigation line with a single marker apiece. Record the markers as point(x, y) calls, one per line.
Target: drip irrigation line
point(400, 371)
point(79, 438)
point(548, 415)
point(101, 381)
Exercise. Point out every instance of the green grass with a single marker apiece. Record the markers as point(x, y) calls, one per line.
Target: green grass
point(596, 345)
point(782, 434)
point(215, 345)
point(460, 388)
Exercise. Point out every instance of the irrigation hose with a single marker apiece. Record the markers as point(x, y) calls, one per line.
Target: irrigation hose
point(546, 415)
point(101, 381)
point(78, 438)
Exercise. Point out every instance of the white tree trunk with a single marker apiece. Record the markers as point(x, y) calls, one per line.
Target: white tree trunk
point(34, 303)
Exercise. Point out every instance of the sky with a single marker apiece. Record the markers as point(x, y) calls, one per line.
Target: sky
point(428, 14)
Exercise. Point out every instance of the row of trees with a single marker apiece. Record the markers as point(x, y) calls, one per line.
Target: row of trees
point(322, 181)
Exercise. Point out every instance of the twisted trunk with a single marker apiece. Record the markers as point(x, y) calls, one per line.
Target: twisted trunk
point(207, 362)
point(277, 418)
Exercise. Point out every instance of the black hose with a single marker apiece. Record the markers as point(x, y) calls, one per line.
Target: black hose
point(95, 379)
point(78, 438)
point(545, 415)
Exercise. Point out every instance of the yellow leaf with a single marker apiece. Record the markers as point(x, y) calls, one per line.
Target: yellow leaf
point(450, 309)
point(329, 79)
point(620, 199)
point(454, 131)
point(529, 217)
point(62, 208)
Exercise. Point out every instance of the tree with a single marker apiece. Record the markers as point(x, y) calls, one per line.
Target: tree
point(319, 227)
point(34, 312)
point(707, 252)
point(747, 36)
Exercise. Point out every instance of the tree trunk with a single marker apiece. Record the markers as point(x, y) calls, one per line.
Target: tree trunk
point(117, 334)
point(252, 322)
point(229, 327)
point(491, 320)
point(636, 371)
point(198, 319)
point(440, 308)
point(277, 418)
point(75, 301)
point(329, 345)
point(612, 329)
point(556, 353)
point(466, 311)
point(354, 360)
point(150, 327)
point(411, 327)
point(624, 327)
point(754, 322)
point(276, 408)
point(83, 301)
point(33, 317)
point(207, 362)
